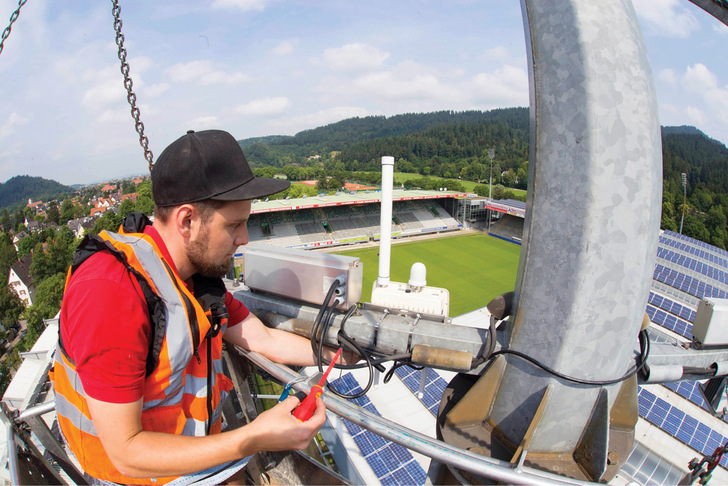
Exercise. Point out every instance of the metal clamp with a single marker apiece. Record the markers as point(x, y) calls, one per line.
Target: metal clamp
point(411, 331)
point(376, 327)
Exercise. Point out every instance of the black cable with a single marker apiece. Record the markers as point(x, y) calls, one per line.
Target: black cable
point(324, 307)
point(319, 331)
point(326, 323)
point(399, 364)
point(370, 382)
point(642, 360)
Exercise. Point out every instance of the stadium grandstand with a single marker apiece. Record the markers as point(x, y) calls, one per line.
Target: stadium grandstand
point(349, 218)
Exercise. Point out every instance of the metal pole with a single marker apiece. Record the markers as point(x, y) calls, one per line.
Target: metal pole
point(491, 154)
point(685, 198)
point(12, 456)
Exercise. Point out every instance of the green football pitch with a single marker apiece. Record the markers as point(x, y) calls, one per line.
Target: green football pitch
point(474, 268)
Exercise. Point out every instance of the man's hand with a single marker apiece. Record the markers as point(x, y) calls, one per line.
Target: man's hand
point(277, 429)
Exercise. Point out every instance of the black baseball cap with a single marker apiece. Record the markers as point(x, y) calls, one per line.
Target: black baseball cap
point(207, 165)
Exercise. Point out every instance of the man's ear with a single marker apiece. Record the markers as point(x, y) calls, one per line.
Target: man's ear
point(185, 217)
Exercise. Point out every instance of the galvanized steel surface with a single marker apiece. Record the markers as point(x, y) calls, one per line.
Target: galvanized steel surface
point(593, 213)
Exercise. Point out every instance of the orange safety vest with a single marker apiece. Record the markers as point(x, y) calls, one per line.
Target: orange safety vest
point(185, 385)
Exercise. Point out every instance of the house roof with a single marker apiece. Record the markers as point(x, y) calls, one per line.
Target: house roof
point(22, 269)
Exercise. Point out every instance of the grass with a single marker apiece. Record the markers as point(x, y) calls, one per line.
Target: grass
point(475, 268)
point(400, 177)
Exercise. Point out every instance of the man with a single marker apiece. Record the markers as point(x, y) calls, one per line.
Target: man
point(138, 373)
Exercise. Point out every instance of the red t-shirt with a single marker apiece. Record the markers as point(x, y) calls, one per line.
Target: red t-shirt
point(105, 326)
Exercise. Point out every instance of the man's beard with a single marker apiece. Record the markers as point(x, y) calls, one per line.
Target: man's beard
point(196, 252)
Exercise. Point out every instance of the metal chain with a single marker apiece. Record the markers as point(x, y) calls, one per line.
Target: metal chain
point(131, 97)
point(710, 462)
point(13, 18)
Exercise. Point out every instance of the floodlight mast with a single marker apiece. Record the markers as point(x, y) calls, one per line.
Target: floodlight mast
point(491, 154)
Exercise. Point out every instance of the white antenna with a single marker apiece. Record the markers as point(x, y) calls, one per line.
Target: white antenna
point(385, 232)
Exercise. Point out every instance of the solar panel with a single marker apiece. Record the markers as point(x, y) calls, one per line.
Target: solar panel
point(434, 387)
point(678, 423)
point(392, 463)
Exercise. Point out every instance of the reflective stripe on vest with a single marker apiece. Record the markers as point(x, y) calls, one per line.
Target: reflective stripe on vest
point(175, 393)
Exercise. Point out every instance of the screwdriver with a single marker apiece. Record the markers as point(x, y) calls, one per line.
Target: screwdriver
point(305, 409)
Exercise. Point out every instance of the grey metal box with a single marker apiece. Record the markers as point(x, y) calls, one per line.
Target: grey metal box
point(301, 274)
point(711, 322)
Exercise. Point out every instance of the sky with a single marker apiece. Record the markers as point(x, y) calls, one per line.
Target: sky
point(276, 67)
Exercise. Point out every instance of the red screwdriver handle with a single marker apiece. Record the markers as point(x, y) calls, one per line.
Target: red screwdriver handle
point(305, 410)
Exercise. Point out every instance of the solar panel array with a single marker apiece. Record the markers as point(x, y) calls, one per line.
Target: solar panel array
point(704, 274)
point(690, 390)
point(392, 463)
point(687, 284)
point(703, 268)
point(716, 259)
point(684, 427)
point(698, 244)
point(669, 305)
point(670, 322)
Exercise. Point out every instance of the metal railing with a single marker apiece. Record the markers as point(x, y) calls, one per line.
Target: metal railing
point(456, 457)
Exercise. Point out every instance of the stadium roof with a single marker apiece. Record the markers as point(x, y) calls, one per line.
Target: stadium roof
point(346, 199)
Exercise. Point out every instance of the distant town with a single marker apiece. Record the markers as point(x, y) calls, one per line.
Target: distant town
point(36, 248)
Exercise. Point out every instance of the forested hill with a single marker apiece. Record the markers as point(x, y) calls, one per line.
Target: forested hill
point(346, 133)
point(705, 161)
point(16, 191)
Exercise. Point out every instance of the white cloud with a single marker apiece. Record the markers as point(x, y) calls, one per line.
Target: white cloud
point(698, 78)
point(155, 90)
point(291, 125)
point(11, 125)
point(720, 28)
point(353, 57)
point(187, 72)
point(203, 123)
point(223, 78)
point(103, 94)
point(388, 85)
point(506, 86)
point(498, 53)
point(241, 5)
point(285, 47)
point(265, 107)
point(696, 115)
point(667, 76)
point(204, 73)
point(668, 18)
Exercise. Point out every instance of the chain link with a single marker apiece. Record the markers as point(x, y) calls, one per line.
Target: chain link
point(131, 97)
point(13, 18)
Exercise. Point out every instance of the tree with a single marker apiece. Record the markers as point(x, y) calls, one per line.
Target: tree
point(108, 221)
point(48, 295)
point(69, 211)
point(11, 307)
point(56, 258)
point(53, 214)
point(127, 207)
point(6, 221)
point(8, 256)
point(128, 187)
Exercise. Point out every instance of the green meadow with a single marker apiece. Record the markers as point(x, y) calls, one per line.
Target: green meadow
point(473, 267)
